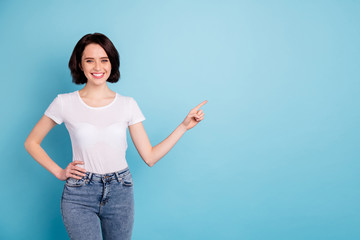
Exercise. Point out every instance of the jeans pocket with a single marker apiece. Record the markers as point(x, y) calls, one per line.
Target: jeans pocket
point(72, 182)
point(127, 180)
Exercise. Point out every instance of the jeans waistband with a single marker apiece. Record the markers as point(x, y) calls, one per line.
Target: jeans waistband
point(97, 177)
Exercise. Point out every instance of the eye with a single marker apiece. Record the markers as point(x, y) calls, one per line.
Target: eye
point(89, 61)
point(104, 60)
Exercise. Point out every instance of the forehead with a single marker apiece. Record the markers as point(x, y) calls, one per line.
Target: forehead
point(94, 50)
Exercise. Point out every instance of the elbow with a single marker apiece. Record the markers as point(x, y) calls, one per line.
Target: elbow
point(150, 163)
point(149, 158)
point(28, 144)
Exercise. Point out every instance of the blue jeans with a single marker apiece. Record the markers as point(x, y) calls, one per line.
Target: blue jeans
point(99, 206)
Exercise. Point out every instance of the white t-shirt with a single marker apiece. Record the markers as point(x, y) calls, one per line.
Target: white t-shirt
point(98, 134)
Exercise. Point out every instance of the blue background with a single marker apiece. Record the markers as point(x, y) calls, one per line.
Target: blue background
point(277, 155)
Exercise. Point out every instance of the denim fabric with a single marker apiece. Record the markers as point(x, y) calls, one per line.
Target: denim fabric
point(99, 206)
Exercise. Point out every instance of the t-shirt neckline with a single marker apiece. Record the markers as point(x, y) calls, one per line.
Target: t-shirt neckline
point(106, 106)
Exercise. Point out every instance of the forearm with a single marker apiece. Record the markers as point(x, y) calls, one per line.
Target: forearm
point(165, 146)
point(38, 153)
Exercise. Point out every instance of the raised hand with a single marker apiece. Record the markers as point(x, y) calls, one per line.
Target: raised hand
point(194, 116)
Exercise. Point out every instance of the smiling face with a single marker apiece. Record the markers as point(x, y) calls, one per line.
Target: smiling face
point(95, 64)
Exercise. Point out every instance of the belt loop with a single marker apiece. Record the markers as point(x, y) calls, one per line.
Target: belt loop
point(90, 176)
point(117, 176)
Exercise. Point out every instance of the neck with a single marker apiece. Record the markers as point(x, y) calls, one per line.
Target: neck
point(96, 91)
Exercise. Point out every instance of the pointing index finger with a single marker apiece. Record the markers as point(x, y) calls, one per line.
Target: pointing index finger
point(200, 105)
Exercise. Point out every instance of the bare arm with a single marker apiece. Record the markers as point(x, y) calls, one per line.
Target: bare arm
point(32, 146)
point(153, 154)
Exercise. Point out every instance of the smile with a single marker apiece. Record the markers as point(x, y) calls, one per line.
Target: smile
point(98, 75)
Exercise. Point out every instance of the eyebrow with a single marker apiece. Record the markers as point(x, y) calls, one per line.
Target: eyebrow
point(94, 58)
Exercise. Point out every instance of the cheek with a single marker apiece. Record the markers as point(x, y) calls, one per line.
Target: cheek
point(86, 71)
point(109, 68)
point(83, 67)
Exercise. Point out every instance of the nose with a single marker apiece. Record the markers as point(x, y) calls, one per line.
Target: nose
point(97, 65)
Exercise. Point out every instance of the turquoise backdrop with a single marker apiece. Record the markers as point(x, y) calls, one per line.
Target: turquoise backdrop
point(277, 155)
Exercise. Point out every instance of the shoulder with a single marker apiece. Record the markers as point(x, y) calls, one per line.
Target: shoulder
point(67, 97)
point(125, 99)
point(69, 94)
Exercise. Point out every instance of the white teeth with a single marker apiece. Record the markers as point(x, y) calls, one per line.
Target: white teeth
point(97, 75)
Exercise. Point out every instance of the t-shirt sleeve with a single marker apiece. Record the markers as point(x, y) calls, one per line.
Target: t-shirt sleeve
point(55, 109)
point(135, 113)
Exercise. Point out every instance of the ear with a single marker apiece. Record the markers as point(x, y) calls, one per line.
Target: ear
point(80, 67)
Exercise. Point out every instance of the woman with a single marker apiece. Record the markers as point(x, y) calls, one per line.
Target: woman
point(97, 200)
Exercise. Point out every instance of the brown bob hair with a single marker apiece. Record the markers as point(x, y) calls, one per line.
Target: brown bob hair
point(78, 76)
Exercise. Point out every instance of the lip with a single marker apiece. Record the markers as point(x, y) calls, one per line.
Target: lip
point(97, 75)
